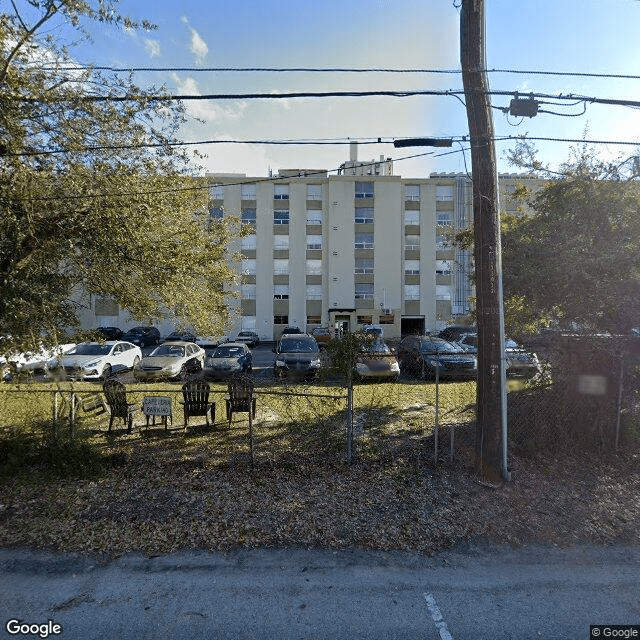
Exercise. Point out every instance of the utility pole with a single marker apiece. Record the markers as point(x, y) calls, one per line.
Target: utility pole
point(491, 425)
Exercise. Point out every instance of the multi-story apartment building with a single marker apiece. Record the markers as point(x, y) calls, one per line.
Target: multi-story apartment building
point(364, 246)
point(361, 247)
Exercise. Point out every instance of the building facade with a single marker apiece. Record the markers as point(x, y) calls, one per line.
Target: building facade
point(364, 246)
point(361, 247)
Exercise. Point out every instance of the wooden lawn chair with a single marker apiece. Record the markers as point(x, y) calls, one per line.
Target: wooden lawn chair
point(116, 394)
point(240, 397)
point(195, 401)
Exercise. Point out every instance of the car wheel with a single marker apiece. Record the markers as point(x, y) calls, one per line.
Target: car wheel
point(106, 372)
point(136, 362)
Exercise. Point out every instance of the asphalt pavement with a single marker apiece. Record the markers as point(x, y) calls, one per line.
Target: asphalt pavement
point(472, 593)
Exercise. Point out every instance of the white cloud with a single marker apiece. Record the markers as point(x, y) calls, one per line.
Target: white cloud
point(152, 47)
point(199, 47)
point(207, 110)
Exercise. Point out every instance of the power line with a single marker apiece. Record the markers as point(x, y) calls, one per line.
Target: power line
point(304, 142)
point(305, 174)
point(327, 94)
point(579, 74)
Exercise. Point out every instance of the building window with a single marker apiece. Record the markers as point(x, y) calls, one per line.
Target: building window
point(216, 212)
point(364, 265)
point(364, 215)
point(444, 193)
point(248, 291)
point(216, 191)
point(249, 242)
point(314, 292)
point(281, 216)
point(412, 292)
point(248, 191)
point(364, 241)
point(314, 242)
point(444, 218)
point(412, 267)
point(443, 292)
point(281, 267)
point(364, 189)
point(314, 216)
point(412, 218)
point(106, 307)
point(280, 291)
point(281, 192)
point(364, 291)
point(364, 319)
point(314, 320)
point(412, 243)
point(441, 241)
point(248, 323)
point(314, 267)
point(387, 319)
point(314, 192)
point(248, 267)
point(280, 319)
point(280, 242)
point(443, 267)
point(249, 216)
point(412, 192)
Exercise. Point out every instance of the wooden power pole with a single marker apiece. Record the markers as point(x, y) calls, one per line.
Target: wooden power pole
point(490, 395)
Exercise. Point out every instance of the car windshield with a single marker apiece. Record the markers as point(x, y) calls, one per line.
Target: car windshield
point(296, 345)
point(438, 347)
point(90, 350)
point(378, 347)
point(511, 344)
point(168, 350)
point(136, 331)
point(246, 333)
point(228, 352)
point(470, 340)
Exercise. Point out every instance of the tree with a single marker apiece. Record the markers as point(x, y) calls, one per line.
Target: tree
point(95, 197)
point(576, 259)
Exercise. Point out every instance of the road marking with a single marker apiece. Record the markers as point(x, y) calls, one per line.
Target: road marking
point(441, 625)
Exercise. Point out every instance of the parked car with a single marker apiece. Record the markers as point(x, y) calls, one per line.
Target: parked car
point(227, 360)
point(322, 335)
point(95, 360)
point(377, 362)
point(426, 355)
point(453, 332)
point(520, 362)
point(142, 336)
point(110, 333)
point(181, 336)
point(297, 355)
point(293, 330)
point(250, 338)
point(374, 329)
point(171, 360)
point(208, 342)
point(33, 361)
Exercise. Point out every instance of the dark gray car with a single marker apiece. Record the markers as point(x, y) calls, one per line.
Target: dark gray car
point(297, 355)
point(425, 356)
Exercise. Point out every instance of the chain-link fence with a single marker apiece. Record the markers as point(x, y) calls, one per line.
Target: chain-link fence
point(585, 400)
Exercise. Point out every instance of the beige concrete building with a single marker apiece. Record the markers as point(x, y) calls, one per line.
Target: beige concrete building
point(361, 247)
point(364, 246)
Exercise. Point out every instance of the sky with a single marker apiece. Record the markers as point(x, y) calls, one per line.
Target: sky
point(575, 36)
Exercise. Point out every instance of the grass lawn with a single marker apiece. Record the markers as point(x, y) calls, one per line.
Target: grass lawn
point(158, 491)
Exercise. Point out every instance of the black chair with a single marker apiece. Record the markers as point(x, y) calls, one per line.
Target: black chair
point(195, 401)
point(116, 394)
point(240, 397)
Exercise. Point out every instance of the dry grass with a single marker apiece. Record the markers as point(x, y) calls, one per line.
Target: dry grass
point(162, 492)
